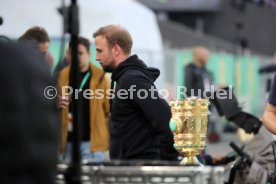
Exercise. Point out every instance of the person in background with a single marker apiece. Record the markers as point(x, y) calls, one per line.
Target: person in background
point(38, 38)
point(199, 79)
point(94, 112)
point(197, 76)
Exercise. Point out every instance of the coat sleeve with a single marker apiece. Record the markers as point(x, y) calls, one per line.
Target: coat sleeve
point(106, 100)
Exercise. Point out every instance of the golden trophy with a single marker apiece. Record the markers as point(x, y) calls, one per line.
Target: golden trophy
point(189, 126)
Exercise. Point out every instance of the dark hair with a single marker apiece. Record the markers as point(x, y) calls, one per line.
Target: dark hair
point(37, 34)
point(115, 34)
point(83, 41)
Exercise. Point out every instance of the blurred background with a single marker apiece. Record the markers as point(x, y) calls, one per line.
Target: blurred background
point(238, 33)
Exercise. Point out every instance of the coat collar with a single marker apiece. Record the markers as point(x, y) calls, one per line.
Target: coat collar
point(97, 74)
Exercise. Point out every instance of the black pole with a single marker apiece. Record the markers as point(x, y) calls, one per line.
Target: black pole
point(74, 30)
point(73, 175)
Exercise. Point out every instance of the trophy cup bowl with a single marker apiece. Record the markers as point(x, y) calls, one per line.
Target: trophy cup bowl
point(189, 126)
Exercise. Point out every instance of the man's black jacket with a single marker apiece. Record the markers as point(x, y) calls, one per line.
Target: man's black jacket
point(194, 79)
point(139, 124)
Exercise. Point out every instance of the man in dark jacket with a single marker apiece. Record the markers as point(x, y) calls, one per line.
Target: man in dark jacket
point(139, 122)
point(197, 78)
point(29, 121)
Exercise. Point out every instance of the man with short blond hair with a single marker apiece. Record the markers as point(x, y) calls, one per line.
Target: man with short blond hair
point(139, 128)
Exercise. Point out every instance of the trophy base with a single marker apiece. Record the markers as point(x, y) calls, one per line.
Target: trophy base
point(190, 161)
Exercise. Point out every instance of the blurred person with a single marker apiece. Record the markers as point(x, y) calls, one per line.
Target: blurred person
point(199, 79)
point(29, 121)
point(139, 128)
point(94, 111)
point(197, 76)
point(38, 38)
point(269, 116)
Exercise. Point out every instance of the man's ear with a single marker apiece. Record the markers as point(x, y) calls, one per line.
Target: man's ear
point(115, 50)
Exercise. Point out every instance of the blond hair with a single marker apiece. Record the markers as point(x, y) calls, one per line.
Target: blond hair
point(115, 34)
